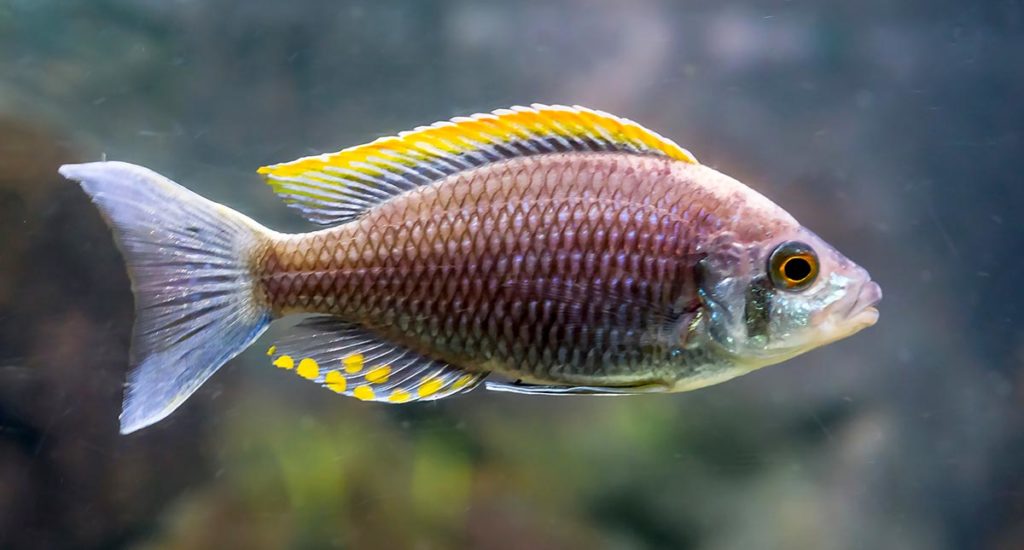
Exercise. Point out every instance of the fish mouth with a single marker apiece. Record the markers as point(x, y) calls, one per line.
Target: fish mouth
point(863, 311)
point(851, 315)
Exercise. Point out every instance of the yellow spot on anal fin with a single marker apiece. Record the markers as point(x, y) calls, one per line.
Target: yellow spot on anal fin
point(379, 375)
point(429, 386)
point(353, 363)
point(462, 381)
point(336, 381)
point(271, 350)
point(399, 396)
point(363, 392)
point(308, 369)
point(284, 362)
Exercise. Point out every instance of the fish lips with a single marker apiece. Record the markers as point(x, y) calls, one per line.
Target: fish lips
point(864, 309)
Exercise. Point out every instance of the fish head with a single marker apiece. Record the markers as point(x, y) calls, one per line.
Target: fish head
point(779, 296)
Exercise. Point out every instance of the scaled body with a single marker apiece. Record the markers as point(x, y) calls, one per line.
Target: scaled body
point(560, 268)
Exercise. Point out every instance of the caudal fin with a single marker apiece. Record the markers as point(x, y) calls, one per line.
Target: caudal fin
point(189, 262)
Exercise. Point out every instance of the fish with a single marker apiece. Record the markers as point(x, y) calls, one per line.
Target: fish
point(551, 250)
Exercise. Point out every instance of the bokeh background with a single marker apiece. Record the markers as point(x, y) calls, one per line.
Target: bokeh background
point(893, 129)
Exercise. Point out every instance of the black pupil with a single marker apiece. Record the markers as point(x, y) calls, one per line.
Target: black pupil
point(797, 269)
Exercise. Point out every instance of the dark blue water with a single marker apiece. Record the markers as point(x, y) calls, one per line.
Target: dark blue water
point(892, 130)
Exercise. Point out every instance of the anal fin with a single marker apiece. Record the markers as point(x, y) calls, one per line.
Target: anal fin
point(351, 360)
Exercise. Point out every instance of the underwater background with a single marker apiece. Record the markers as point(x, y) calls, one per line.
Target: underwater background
point(895, 130)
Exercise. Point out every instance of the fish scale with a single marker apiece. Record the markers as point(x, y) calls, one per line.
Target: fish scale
point(512, 242)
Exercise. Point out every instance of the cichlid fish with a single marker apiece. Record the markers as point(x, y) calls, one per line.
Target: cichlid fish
point(567, 250)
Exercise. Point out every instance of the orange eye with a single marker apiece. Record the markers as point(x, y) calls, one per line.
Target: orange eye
point(793, 266)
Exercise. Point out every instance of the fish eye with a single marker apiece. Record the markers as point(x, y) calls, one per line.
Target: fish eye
point(793, 266)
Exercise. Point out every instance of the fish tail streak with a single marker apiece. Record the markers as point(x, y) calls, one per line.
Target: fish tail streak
point(197, 303)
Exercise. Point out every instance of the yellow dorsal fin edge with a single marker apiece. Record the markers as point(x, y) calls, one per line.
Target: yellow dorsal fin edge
point(575, 127)
point(337, 187)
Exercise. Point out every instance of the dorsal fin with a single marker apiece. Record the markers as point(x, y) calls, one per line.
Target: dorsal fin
point(337, 187)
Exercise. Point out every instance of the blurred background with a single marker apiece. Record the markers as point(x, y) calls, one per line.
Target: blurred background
point(893, 129)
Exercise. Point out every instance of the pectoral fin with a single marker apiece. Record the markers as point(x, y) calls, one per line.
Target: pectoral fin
point(538, 389)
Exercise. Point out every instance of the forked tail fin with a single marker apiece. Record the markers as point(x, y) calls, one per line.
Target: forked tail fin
point(189, 260)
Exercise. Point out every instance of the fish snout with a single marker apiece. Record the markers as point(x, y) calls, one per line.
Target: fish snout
point(864, 311)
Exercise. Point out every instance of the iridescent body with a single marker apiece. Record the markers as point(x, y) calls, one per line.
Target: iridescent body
point(566, 250)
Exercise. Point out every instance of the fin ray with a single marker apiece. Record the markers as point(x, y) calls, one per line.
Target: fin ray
point(353, 361)
point(337, 187)
point(540, 389)
point(188, 259)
